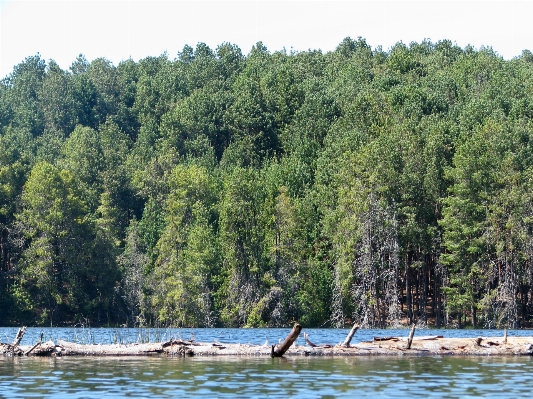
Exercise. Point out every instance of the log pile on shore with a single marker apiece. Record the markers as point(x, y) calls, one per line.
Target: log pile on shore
point(399, 346)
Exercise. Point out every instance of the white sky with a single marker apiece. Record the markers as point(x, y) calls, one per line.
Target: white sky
point(120, 29)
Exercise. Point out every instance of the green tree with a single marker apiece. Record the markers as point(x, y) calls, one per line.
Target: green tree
point(57, 100)
point(247, 277)
point(58, 235)
point(187, 254)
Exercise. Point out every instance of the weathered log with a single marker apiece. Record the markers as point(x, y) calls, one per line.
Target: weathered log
point(420, 338)
point(181, 349)
point(278, 351)
point(13, 348)
point(306, 337)
point(32, 348)
point(410, 339)
point(348, 339)
point(379, 339)
point(69, 348)
point(18, 337)
point(9, 350)
point(47, 348)
point(176, 342)
point(440, 346)
point(428, 338)
point(449, 346)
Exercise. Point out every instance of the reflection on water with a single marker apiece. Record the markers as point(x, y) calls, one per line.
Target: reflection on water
point(394, 377)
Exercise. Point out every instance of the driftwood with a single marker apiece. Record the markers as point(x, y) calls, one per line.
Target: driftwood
point(312, 345)
point(419, 346)
point(421, 338)
point(172, 347)
point(379, 339)
point(306, 337)
point(18, 337)
point(13, 348)
point(279, 351)
point(47, 348)
point(32, 348)
point(410, 339)
point(437, 346)
point(69, 348)
point(348, 339)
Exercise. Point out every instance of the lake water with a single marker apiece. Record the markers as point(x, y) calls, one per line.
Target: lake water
point(259, 377)
point(255, 336)
point(363, 377)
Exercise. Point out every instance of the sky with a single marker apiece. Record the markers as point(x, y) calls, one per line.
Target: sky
point(123, 29)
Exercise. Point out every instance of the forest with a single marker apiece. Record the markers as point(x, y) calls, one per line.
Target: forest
point(221, 189)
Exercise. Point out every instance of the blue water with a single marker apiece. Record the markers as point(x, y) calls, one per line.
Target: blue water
point(252, 377)
point(256, 336)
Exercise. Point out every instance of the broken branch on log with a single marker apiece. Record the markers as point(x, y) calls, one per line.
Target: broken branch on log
point(18, 337)
point(348, 339)
point(47, 348)
point(410, 339)
point(32, 348)
point(379, 339)
point(306, 337)
point(278, 351)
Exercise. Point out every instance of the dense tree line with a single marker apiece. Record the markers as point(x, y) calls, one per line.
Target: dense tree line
point(218, 189)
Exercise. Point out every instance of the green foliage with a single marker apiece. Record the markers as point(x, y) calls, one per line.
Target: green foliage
point(218, 189)
point(186, 252)
point(55, 227)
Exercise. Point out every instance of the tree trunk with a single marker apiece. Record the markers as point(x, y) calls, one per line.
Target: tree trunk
point(408, 291)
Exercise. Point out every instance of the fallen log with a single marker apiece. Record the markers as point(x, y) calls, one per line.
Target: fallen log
point(279, 351)
point(13, 348)
point(421, 346)
point(47, 348)
point(70, 348)
point(446, 346)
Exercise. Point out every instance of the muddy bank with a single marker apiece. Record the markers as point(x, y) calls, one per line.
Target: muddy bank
point(390, 346)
